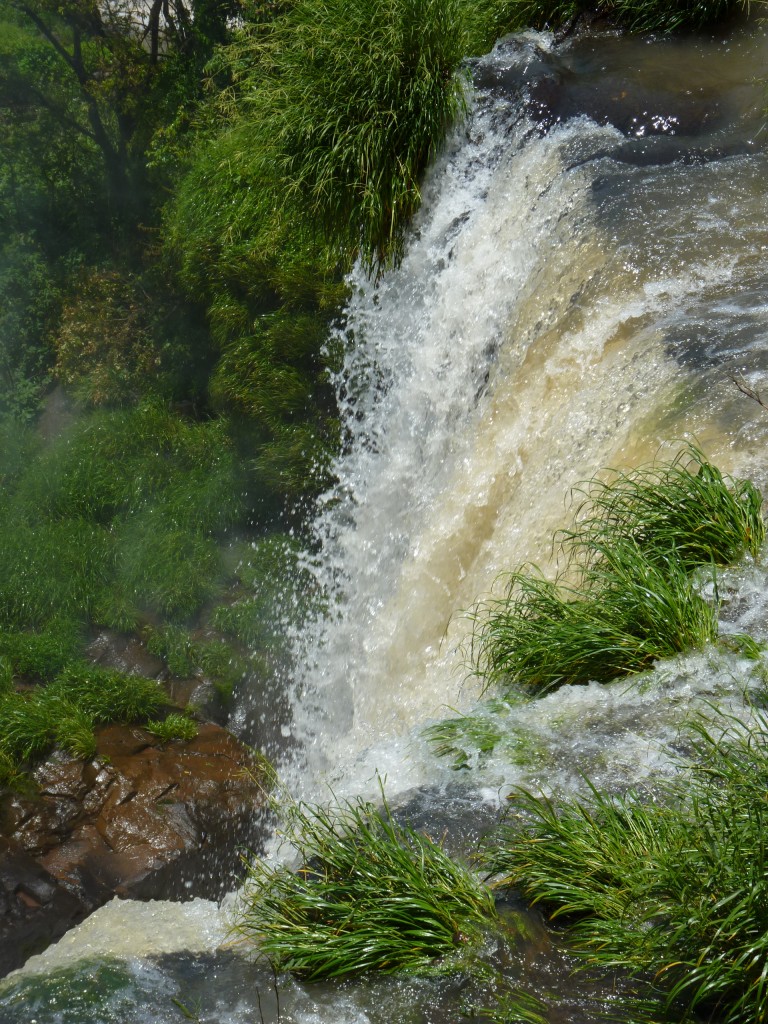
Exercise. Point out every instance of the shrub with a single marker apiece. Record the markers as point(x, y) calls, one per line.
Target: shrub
point(475, 734)
point(64, 712)
point(372, 895)
point(672, 891)
point(342, 106)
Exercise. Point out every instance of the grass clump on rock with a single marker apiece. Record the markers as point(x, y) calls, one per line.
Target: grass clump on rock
point(173, 727)
point(371, 895)
point(64, 712)
point(687, 506)
point(671, 891)
point(626, 597)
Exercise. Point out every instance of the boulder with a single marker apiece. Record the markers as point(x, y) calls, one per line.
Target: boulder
point(141, 820)
point(35, 909)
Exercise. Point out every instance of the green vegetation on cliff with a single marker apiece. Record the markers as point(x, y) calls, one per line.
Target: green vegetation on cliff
point(182, 192)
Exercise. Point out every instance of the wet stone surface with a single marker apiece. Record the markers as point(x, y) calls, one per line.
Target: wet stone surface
point(140, 821)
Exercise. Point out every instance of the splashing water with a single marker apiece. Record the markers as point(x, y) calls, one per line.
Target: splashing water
point(588, 266)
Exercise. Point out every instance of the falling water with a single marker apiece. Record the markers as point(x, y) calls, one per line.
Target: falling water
point(587, 269)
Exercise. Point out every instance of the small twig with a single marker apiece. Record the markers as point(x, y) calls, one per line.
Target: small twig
point(745, 389)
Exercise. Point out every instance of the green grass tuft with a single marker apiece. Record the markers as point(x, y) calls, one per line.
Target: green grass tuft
point(686, 506)
point(351, 100)
point(543, 634)
point(173, 727)
point(672, 890)
point(626, 598)
point(108, 695)
point(372, 895)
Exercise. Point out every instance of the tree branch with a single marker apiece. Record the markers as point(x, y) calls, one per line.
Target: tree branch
point(745, 389)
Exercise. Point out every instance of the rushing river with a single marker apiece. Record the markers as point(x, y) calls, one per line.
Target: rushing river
point(587, 270)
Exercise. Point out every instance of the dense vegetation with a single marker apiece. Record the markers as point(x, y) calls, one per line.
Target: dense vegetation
point(182, 191)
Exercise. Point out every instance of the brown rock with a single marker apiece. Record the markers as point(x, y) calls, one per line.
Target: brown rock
point(35, 909)
point(140, 821)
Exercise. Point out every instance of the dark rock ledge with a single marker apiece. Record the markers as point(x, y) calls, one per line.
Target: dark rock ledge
point(140, 820)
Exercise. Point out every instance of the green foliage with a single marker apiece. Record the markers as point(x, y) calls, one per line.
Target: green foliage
point(339, 108)
point(166, 569)
point(51, 570)
point(121, 462)
point(64, 712)
point(18, 446)
point(119, 517)
point(631, 552)
point(28, 725)
point(276, 590)
point(108, 695)
point(663, 16)
point(372, 895)
point(686, 505)
point(186, 656)
point(74, 730)
point(672, 891)
point(31, 724)
point(6, 675)
point(43, 654)
point(173, 727)
point(29, 304)
point(312, 154)
point(176, 647)
point(542, 634)
point(354, 98)
point(119, 338)
point(220, 663)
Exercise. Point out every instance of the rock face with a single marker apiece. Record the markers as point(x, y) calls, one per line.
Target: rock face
point(139, 821)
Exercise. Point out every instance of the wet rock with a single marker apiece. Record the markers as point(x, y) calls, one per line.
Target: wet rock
point(126, 653)
point(35, 909)
point(608, 82)
point(141, 821)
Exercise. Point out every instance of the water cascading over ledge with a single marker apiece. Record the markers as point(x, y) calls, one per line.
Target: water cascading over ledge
point(587, 267)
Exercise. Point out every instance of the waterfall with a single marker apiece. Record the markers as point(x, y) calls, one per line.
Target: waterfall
point(587, 268)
